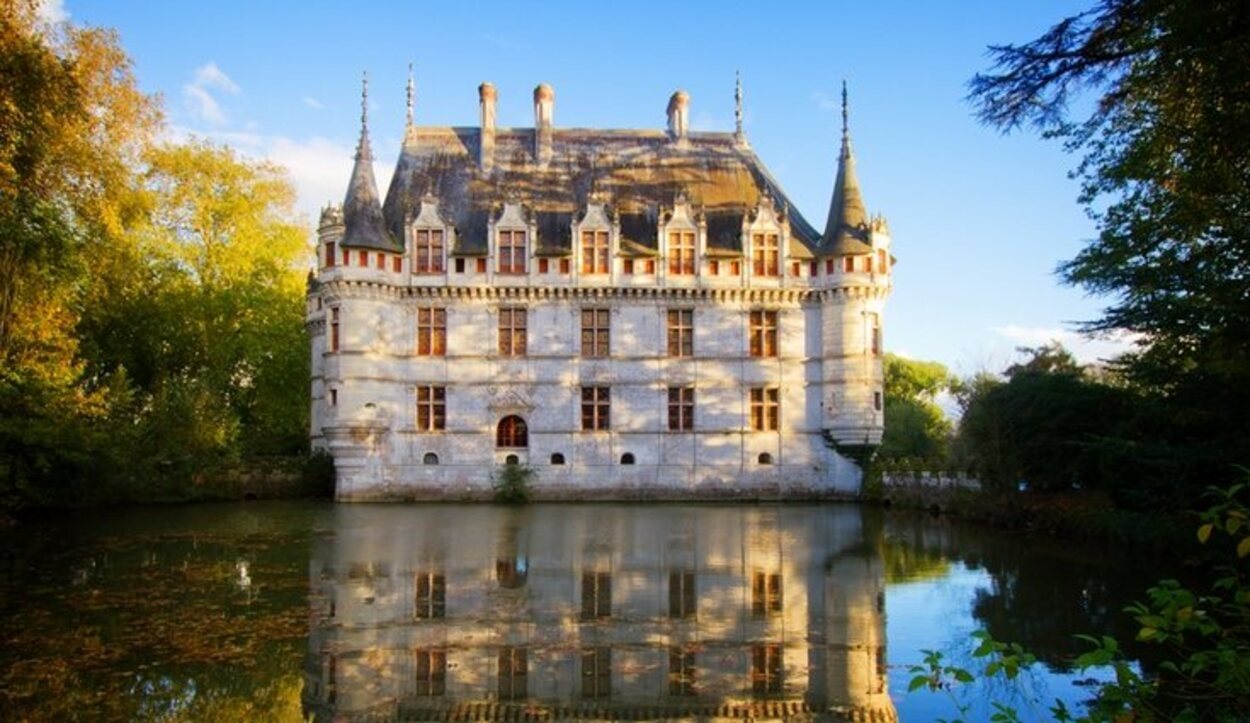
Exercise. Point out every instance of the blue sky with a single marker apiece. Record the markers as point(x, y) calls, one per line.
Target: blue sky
point(979, 219)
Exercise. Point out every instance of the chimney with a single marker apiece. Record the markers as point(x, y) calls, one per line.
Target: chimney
point(544, 109)
point(486, 150)
point(679, 115)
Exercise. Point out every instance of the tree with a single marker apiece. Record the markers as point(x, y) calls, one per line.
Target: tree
point(1166, 175)
point(915, 425)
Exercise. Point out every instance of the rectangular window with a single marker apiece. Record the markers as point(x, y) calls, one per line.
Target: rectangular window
point(594, 252)
point(796, 268)
point(881, 261)
point(829, 267)
point(650, 266)
point(596, 408)
point(513, 673)
point(763, 333)
point(765, 256)
point(381, 261)
point(431, 331)
point(512, 332)
point(544, 266)
point(813, 269)
point(397, 264)
point(565, 266)
point(680, 332)
point(765, 594)
point(362, 259)
point(481, 265)
point(334, 329)
point(848, 264)
point(431, 595)
point(680, 409)
point(874, 333)
point(681, 253)
point(596, 333)
point(334, 397)
point(596, 595)
point(428, 250)
point(629, 266)
point(431, 676)
point(431, 408)
point(459, 266)
point(713, 267)
point(681, 671)
point(347, 257)
point(765, 409)
point(868, 264)
point(596, 672)
point(765, 670)
point(511, 252)
point(876, 401)
point(330, 254)
point(735, 268)
point(681, 594)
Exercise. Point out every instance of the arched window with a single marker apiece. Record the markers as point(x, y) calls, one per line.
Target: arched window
point(627, 458)
point(557, 458)
point(430, 458)
point(512, 432)
point(766, 458)
point(512, 459)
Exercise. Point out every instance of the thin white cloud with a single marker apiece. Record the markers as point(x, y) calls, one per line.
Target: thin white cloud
point(1086, 348)
point(824, 102)
point(199, 94)
point(52, 11)
point(313, 103)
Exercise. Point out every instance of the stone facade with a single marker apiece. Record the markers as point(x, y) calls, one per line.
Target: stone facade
point(633, 314)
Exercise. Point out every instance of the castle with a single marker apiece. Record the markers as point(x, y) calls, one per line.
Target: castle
point(632, 314)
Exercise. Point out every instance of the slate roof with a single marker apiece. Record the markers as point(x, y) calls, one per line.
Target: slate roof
point(363, 223)
point(635, 171)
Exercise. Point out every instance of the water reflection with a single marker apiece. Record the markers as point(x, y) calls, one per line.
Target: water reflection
point(456, 613)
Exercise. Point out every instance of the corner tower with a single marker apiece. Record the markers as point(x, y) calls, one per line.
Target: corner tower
point(856, 252)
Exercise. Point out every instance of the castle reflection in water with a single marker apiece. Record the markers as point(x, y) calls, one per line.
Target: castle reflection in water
point(601, 612)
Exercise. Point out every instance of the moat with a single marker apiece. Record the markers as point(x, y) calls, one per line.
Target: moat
point(283, 610)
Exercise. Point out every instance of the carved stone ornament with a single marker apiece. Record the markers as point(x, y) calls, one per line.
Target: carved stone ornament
point(510, 399)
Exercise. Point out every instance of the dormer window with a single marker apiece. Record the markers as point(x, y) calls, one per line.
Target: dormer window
point(511, 252)
point(765, 254)
point(595, 248)
point(428, 249)
point(681, 253)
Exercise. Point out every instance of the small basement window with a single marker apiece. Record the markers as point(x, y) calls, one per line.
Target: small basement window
point(512, 459)
point(766, 458)
point(430, 458)
point(627, 458)
point(557, 458)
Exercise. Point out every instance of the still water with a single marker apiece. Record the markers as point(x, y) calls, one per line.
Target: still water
point(284, 611)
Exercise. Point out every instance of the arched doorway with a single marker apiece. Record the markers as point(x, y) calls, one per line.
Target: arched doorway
point(512, 433)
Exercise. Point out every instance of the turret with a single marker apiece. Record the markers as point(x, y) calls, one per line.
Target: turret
point(846, 230)
point(362, 210)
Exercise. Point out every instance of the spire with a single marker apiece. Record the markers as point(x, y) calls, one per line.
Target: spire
point(739, 134)
point(411, 98)
point(362, 211)
point(846, 231)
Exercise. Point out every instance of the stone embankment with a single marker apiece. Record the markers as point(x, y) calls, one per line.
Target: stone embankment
point(934, 491)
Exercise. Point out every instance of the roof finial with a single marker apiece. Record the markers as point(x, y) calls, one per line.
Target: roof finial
point(738, 105)
point(364, 101)
point(411, 95)
point(846, 129)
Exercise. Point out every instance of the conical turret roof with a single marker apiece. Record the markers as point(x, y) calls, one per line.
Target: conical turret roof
point(362, 210)
point(846, 231)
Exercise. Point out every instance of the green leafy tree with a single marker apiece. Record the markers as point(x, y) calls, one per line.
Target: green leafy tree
point(1165, 173)
point(915, 426)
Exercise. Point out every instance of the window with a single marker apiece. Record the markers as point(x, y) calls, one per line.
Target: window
point(876, 401)
point(882, 261)
point(431, 408)
point(874, 333)
point(596, 672)
point(428, 251)
point(347, 257)
point(868, 264)
point(763, 333)
point(565, 265)
point(594, 252)
point(650, 266)
point(765, 594)
point(381, 261)
point(735, 268)
point(430, 458)
point(765, 256)
point(681, 253)
point(680, 409)
point(334, 397)
point(431, 668)
point(557, 458)
point(481, 265)
point(431, 331)
point(848, 264)
point(681, 671)
point(713, 267)
point(680, 332)
point(627, 458)
point(813, 268)
point(512, 460)
point(512, 572)
point(511, 252)
point(596, 408)
point(829, 267)
point(765, 458)
point(397, 264)
point(596, 328)
point(431, 595)
point(628, 266)
point(543, 266)
point(329, 253)
point(513, 671)
point(765, 670)
point(596, 595)
point(459, 266)
point(512, 432)
point(512, 332)
point(334, 329)
point(765, 409)
point(796, 268)
point(681, 594)
point(362, 258)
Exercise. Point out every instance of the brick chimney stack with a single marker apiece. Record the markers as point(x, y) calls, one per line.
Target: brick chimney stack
point(486, 152)
point(544, 113)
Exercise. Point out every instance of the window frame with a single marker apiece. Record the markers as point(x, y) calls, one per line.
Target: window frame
point(429, 255)
point(596, 249)
point(431, 408)
point(596, 406)
point(766, 254)
point(681, 408)
point(682, 244)
point(765, 409)
point(596, 332)
point(513, 336)
point(431, 331)
point(679, 324)
point(764, 333)
point(515, 252)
